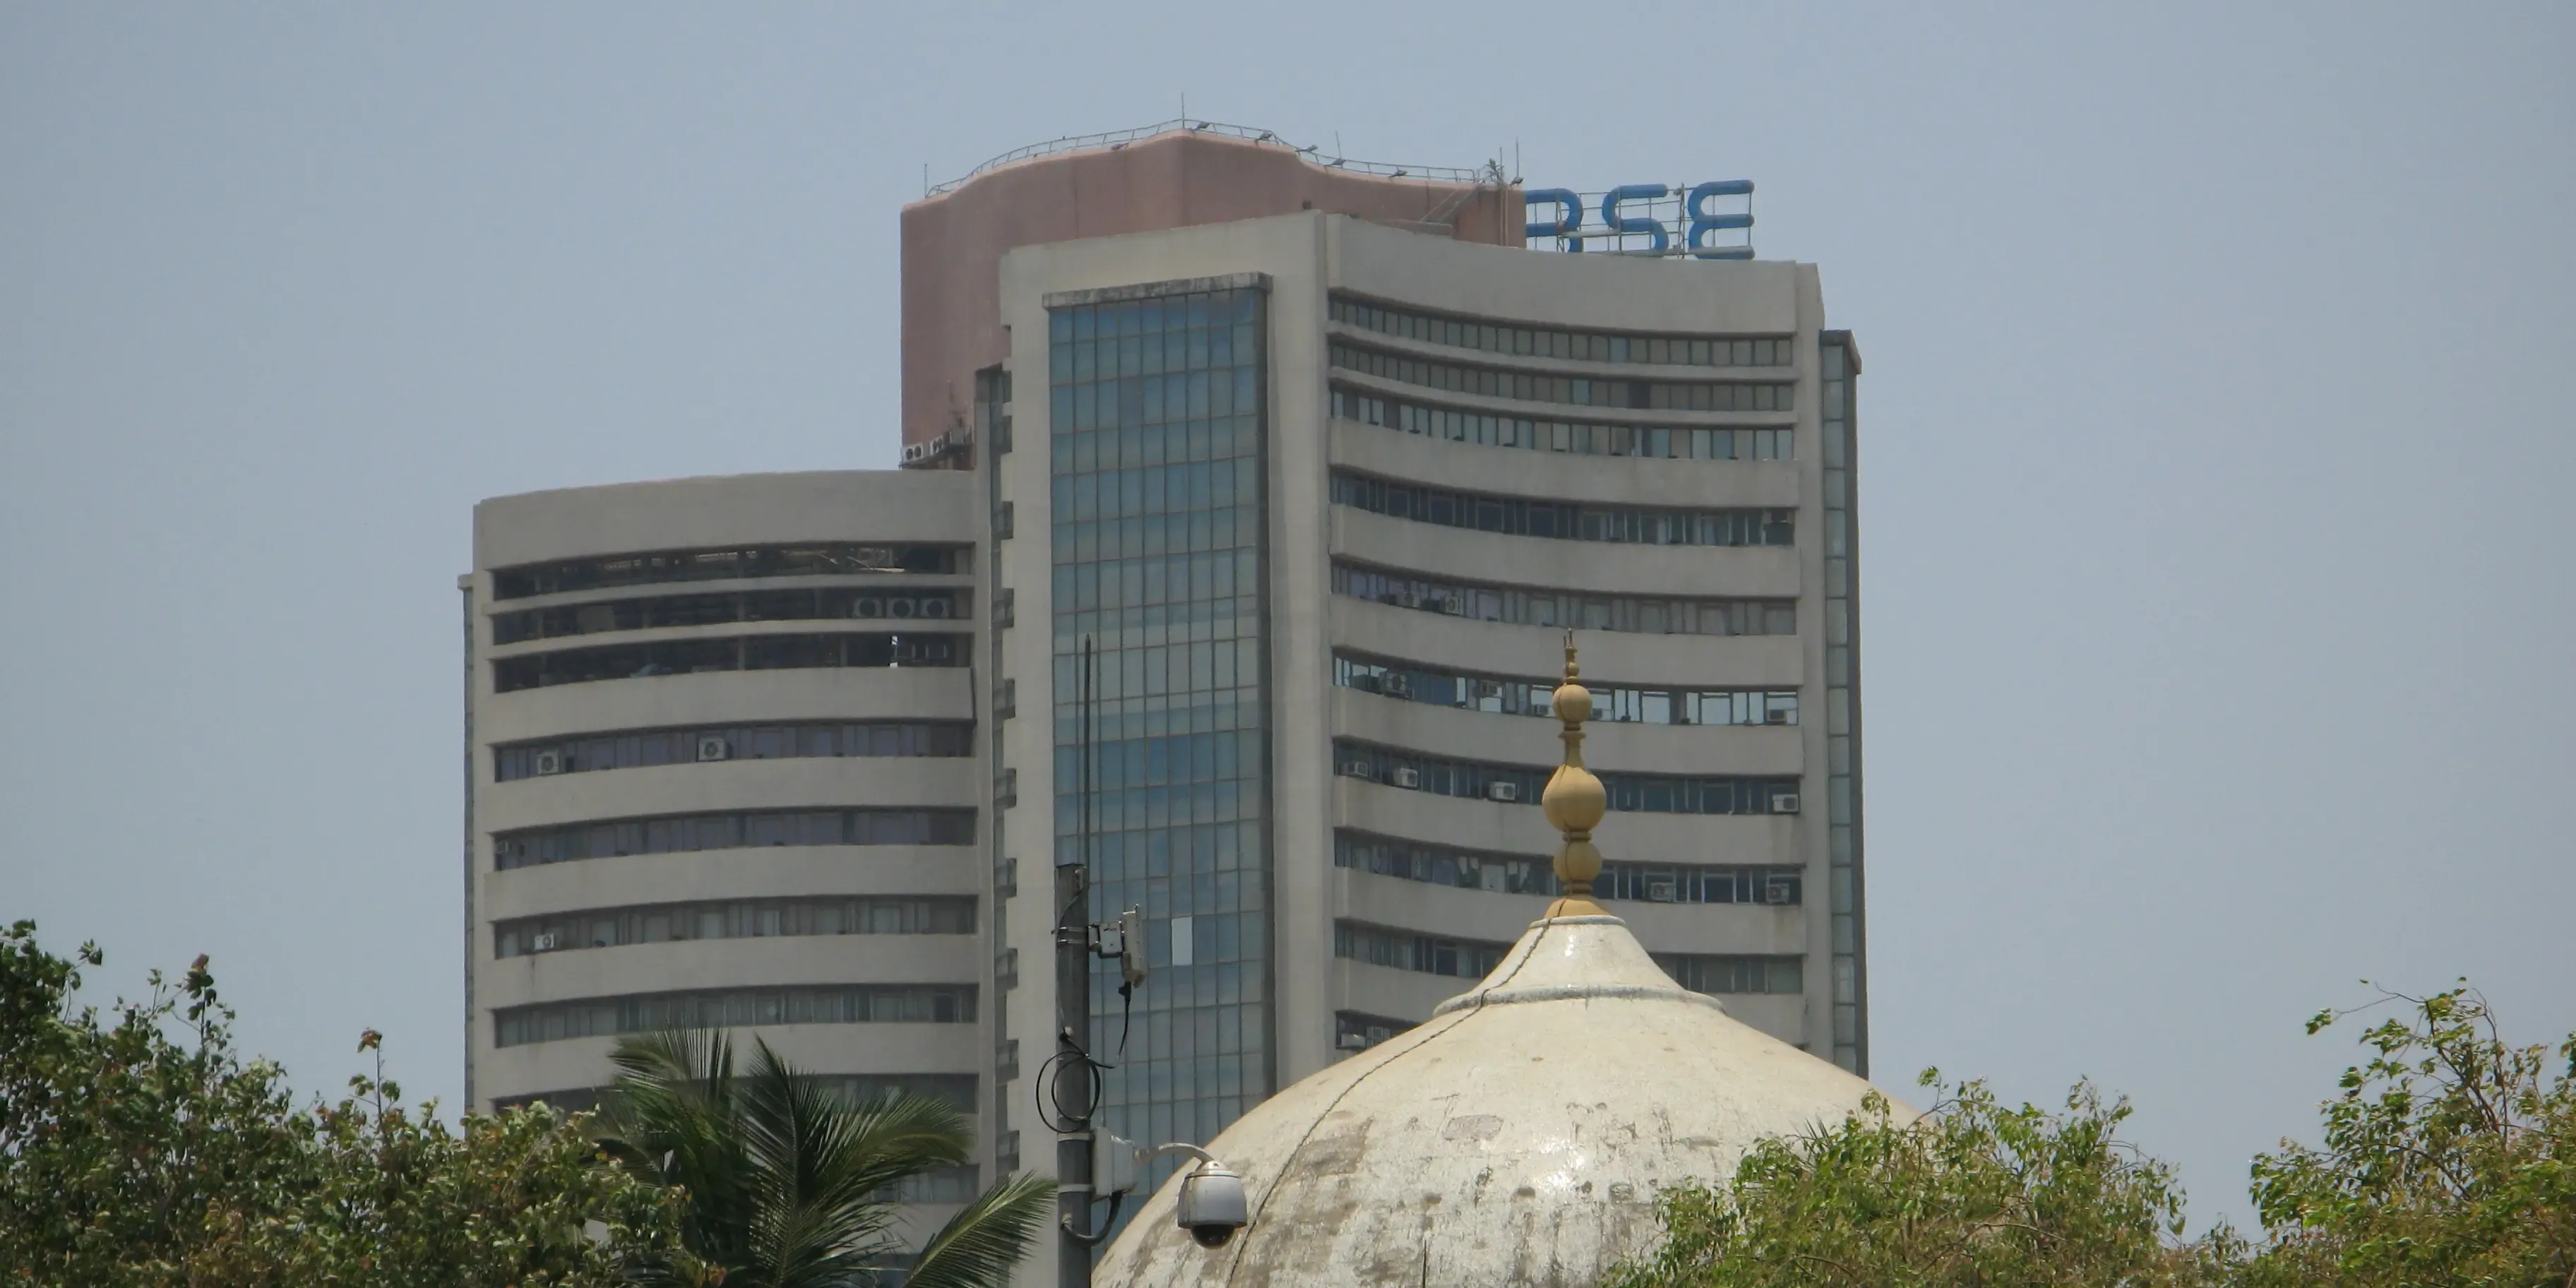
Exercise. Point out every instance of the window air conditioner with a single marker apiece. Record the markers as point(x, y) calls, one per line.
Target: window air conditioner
point(549, 763)
point(1660, 892)
point(1505, 792)
point(904, 652)
point(935, 606)
point(1356, 769)
point(1408, 777)
point(900, 606)
point(867, 606)
point(914, 453)
point(1784, 802)
point(1351, 1042)
point(1777, 891)
point(1775, 715)
point(713, 748)
point(1398, 685)
point(544, 943)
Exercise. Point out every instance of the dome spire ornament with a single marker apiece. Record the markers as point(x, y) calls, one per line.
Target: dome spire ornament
point(1574, 800)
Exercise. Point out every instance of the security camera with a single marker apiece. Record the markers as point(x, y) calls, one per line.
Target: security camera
point(1212, 1206)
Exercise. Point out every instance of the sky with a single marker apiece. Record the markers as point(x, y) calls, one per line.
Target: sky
point(2214, 452)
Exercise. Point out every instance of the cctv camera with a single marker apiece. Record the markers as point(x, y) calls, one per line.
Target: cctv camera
point(1211, 1205)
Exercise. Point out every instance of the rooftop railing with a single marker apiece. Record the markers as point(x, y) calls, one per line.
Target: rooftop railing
point(1116, 139)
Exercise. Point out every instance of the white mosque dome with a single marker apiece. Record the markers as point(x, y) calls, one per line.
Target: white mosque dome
point(1518, 1137)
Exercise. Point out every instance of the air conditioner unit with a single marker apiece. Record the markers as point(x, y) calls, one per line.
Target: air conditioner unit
point(549, 763)
point(714, 748)
point(867, 606)
point(1775, 715)
point(915, 453)
point(1356, 769)
point(1660, 892)
point(544, 943)
point(1398, 685)
point(904, 652)
point(1351, 1042)
point(1784, 802)
point(1505, 792)
point(934, 606)
point(1408, 777)
point(901, 606)
point(1778, 891)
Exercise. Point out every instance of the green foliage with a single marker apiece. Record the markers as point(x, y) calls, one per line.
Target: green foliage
point(145, 1152)
point(791, 1184)
point(1971, 1193)
point(2449, 1158)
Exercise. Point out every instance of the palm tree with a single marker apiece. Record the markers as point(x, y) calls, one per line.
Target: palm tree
point(789, 1184)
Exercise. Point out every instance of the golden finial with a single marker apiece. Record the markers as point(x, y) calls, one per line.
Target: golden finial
point(1574, 800)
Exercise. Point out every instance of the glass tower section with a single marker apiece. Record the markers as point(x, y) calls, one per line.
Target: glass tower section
point(1157, 472)
point(1842, 702)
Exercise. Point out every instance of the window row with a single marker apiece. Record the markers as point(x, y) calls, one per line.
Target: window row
point(1355, 1031)
point(1155, 315)
point(741, 829)
point(956, 1090)
point(1133, 445)
point(1565, 608)
point(1521, 784)
point(1699, 443)
point(1520, 517)
point(1706, 973)
point(1404, 950)
point(1506, 874)
point(1574, 391)
point(1172, 351)
point(663, 923)
point(599, 1017)
point(1138, 490)
point(808, 559)
point(1162, 762)
point(744, 653)
point(867, 604)
point(1158, 400)
point(1615, 703)
point(1157, 579)
point(831, 738)
point(1553, 342)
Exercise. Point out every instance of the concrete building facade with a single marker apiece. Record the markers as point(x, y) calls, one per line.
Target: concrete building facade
point(1303, 476)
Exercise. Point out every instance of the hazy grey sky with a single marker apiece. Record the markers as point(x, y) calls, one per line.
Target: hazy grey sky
point(2216, 441)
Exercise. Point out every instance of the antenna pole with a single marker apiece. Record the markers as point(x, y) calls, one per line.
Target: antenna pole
point(1073, 1007)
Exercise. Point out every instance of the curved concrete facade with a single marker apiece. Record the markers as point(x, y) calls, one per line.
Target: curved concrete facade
point(807, 545)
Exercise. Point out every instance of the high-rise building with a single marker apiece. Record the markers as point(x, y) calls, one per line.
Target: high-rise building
point(1322, 461)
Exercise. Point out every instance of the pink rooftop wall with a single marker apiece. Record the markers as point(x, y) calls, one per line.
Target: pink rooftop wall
point(953, 243)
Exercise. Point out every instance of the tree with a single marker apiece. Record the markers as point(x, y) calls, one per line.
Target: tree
point(1970, 1193)
point(2449, 1158)
point(129, 1156)
point(791, 1184)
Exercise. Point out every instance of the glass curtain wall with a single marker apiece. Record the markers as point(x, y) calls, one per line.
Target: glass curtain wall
point(1157, 468)
point(1842, 701)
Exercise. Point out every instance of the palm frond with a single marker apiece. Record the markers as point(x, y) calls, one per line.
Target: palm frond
point(978, 1246)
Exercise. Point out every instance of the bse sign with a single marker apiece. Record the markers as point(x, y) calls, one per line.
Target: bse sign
point(1714, 220)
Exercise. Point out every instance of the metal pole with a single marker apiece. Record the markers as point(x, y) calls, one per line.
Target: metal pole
point(1073, 1010)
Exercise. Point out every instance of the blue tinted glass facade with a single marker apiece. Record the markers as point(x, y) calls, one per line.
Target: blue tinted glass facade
point(1157, 454)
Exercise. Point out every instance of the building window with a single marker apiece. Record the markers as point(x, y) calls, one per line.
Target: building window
point(1554, 342)
point(1519, 696)
point(864, 603)
point(1536, 875)
point(595, 1017)
point(1714, 974)
point(1581, 438)
point(956, 1090)
point(1521, 517)
point(745, 653)
point(1572, 391)
point(1532, 606)
point(733, 919)
point(684, 833)
point(1354, 1031)
point(1427, 954)
point(645, 748)
point(808, 560)
point(1157, 448)
point(1521, 784)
